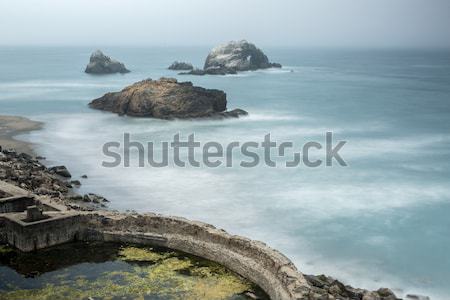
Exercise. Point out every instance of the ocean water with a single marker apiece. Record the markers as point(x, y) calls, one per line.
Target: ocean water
point(381, 221)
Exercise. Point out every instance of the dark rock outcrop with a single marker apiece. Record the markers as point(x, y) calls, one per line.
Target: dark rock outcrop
point(99, 63)
point(240, 56)
point(166, 99)
point(325, 287)
point(28, 173)
point(91, 197)
point(61, 171)
point(234, 57)
point(211, 71)
point(180, 66)
point(235, 113)
point(76, 183)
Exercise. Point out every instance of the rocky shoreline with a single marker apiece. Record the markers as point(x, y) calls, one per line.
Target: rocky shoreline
point(57, 184)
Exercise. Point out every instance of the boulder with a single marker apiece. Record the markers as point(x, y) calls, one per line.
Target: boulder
point(99, 63)
point(166, 99)
point(386, 294)
point(75, 182)
point(182, 66)
point(94, 198)
point(237, 56)
point(326, 288)
point(61, 171)
point(371, 296)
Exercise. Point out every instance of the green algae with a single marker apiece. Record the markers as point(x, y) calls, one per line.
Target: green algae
point(5, 249)
point(149, 274)
point(141, 254)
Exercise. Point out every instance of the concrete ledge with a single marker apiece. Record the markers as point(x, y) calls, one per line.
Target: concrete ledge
point(254, 260)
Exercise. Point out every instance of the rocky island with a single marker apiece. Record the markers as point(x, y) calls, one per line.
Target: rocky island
point(167, 98)
point(180, 66)
point(234, 57)
point(99, 63)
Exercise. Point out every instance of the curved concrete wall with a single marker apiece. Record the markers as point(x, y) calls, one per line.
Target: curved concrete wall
point(254, 260)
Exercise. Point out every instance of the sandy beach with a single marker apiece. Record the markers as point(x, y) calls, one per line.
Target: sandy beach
point(11, 126)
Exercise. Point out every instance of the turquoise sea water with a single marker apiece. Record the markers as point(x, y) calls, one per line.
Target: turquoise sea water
point(381, 221)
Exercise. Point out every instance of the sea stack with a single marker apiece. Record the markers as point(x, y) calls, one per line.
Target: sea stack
point(234, 57)
point(180, 66)
point(167, 98)
point(100, 63)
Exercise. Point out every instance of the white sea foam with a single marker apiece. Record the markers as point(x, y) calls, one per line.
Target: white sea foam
point(376, 147)
point(255, 202)
point(270, 71)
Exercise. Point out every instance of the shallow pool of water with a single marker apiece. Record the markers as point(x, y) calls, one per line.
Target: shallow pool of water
point(114, 271)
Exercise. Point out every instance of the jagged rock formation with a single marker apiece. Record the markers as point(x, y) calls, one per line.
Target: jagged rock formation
point(99, 63)
point(234, 57)
point(240, 56)
point(325, 287)
point(166, 99)
point(180, 66)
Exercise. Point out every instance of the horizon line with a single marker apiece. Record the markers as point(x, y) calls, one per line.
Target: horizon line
point(259, 45)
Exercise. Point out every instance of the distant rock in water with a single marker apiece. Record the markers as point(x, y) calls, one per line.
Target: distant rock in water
point(166, 99)
point(99, 63)
point(234, 57)
point(180, 66)
point(210, 71)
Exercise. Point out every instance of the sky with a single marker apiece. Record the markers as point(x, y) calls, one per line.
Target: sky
point(303, 23)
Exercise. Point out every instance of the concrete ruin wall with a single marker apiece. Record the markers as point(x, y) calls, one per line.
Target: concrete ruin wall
point(254, 260)
point(40, 234)
point(15, 204)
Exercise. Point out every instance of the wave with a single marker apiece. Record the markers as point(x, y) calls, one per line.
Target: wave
point(278, 206)
point(271, 116)
point(270, 71)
